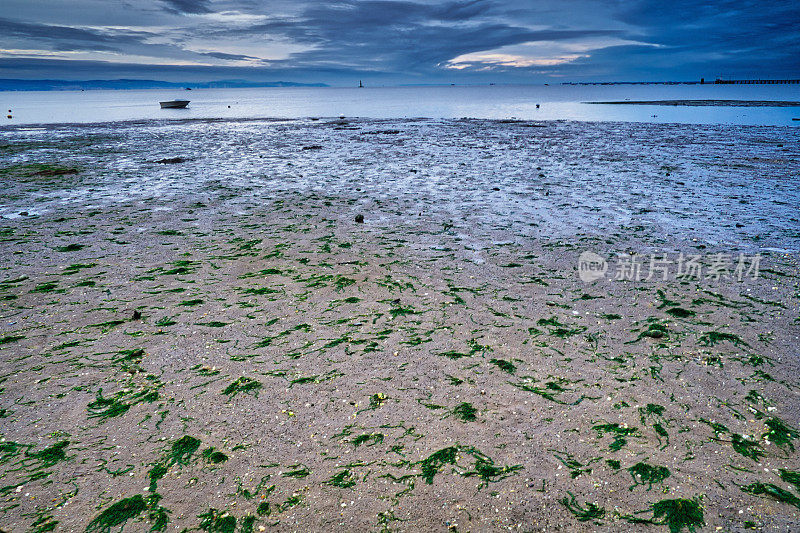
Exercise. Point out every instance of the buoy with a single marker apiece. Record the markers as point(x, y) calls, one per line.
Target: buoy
point(9, 116)
point(537, 106)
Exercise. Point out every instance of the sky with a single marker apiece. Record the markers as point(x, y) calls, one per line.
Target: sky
point(395, 42)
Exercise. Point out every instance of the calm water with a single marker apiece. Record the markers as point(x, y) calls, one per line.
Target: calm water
point(495, 102)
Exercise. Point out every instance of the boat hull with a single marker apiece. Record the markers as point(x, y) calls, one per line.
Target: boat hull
point(174, 104)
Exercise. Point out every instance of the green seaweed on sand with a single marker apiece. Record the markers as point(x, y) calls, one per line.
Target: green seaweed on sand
point(465, 412)
point(679, 513)
point(619, 432)
point(109, 407)
point(343, 479)
point(557, 329)
point(484, 467)
point(51, 455)
point(73, 247)
point(191, 303)
point(550, 391)
point(211, 455)
point(611, 316)
point(76, 267)
point(576, 468)
point(773, 491)
point(486, 470)
point(505, 366)
point(8, 339)
point(182, 450)
point(243, 385)
point(710, 338)
point(299, 472)
point(654, 330)
point(370, 439)
point(590, 512)
point(781, 434)
point(747, 447)
point(643, 473)
point(790, 476)
point(431, 465)
point(333, 374)
point(49, 286)
point(679, 312)
point(117, 514)
point(215, 521)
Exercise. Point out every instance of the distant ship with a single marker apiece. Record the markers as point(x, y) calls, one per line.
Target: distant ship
point(174, 104)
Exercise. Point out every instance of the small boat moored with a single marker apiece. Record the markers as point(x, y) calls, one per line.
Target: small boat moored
point(174, 104)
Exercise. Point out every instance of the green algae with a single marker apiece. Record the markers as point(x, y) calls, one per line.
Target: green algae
point(117, 514)
point(244, 385)
point(215, 521)
point(679, 312)
point(790, 476)
point(781, 434)
point(8, 339)
point(711, 338)
point(51, 455)
point(643, 473)
point(584, 513)
point(505, 366)
point(299, 472)
point(433, 464)
point(370, 439)
point(343, 479)
point(465, 412)
point(679, 513)
point(773, 491)
point(182, 450)
point(619, 432)
point(747, 447)
point(73, 247)
point(211, 455)
point(191, 303)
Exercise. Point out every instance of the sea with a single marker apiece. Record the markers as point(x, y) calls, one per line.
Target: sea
point(524, 102)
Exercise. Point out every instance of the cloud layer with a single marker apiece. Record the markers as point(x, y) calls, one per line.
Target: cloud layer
point(402, 41)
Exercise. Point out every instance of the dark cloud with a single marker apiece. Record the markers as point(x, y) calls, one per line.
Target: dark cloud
point(193, 7)
point(230, 57)
point(65, 38)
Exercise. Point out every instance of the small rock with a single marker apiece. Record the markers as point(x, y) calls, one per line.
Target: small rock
point(136, 315)
point(360, 218)
point(172, 160)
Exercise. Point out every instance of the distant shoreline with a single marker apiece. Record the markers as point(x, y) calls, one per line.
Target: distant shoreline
point(718, 103)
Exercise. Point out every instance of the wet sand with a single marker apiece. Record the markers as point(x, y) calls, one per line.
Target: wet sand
point(215, 343)
point(734, 103)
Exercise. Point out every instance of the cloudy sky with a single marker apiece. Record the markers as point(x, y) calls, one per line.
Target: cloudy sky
point(399, 41)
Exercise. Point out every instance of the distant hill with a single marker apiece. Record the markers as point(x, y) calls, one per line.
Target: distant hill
point(73, 85)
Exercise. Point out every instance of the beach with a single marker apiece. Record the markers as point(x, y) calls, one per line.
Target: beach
point(197, 333)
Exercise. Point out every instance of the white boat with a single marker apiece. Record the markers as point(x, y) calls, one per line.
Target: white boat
point(174, 104)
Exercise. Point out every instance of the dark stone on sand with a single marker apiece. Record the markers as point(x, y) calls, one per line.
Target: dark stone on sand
point(136, 315)
point(495, 188)
point(172, 160)
point(360, 218)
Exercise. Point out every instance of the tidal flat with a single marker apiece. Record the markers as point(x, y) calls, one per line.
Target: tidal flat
point(197, 335)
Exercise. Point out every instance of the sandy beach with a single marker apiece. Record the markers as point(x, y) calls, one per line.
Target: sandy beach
point(198, 335)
